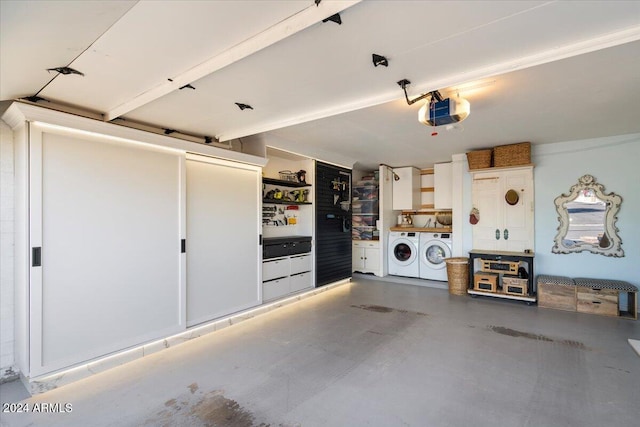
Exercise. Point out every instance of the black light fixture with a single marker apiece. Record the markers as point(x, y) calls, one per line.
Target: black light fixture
point(317, 2)
point(65, 70)
point(379, 60)
point(243, 106)
point(334, 18)
point(34, 98)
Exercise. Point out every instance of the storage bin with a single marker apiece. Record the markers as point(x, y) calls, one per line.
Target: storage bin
point(487, 282)
point(556, 292)
point(479, 159)
point(513, 285)
point(458, 275)
point(512, 154)
point(365, 206)
point(492, 266)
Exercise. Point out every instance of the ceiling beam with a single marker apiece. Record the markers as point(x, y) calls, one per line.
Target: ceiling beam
point(283, 29)
point(490, 70)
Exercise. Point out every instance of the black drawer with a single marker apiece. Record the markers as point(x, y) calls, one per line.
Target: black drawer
point(273, 248)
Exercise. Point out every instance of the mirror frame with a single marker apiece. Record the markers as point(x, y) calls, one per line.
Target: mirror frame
point(612, 201)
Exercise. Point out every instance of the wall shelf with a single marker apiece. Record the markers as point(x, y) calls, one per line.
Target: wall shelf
point(284, 202)
point(283, 183)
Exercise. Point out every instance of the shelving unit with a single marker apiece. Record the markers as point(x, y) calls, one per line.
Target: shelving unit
point(273, 216)
point(488, 270)
point(364, 204)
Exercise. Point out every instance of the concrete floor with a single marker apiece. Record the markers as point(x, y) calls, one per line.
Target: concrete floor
point(372, 353)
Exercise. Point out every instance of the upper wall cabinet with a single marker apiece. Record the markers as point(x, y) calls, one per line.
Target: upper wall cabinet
point(504, 201)
point(406, 188)
point(442, 181)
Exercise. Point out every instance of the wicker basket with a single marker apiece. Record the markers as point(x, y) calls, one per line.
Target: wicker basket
point(479, 159)
point(458, 275)
point(512, 154)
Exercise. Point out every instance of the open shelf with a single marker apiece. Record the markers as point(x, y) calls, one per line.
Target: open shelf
point(284, 202)
point(282, 182)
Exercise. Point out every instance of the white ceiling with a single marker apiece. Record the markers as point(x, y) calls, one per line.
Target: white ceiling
point(532, 70)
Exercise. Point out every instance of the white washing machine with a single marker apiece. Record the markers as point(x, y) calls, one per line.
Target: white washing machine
point(403, 254)
point(434, 248)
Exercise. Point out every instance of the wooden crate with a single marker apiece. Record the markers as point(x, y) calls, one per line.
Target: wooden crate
point(597, 301)
point(557, 295)
point(492, 266)
point(514, 285)
point(487, 282)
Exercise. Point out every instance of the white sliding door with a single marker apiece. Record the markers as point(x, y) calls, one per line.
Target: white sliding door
point(108, 216)
point(223, 227)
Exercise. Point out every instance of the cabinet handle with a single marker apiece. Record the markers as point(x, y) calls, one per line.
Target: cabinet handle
point(36, 257)
point(505, 233)
point(497, 234)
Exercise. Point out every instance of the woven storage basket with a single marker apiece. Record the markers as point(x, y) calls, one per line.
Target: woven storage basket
point(458, 275)
point(512, 154)
point(479, 159)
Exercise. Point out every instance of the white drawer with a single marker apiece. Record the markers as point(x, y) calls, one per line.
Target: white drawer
point(300, 264)
point(366, 244)
point(274, 269)
point(300, 282)
point(275, 288)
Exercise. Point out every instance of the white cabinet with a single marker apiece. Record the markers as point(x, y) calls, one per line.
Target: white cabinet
point(406, 189)
point(223, 251)
point(366, 257)
point(443, 189)
point(504, 225)
point(102, 244)
point(106, 221)
point(285, 275)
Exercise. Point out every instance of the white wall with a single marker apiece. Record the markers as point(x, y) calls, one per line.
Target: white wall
point(6, 253)
point(614, 162)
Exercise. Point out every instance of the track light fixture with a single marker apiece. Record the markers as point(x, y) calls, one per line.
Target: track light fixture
point(379, 60)
point(334, 18)
point(34, 98)
point(65, 70)
point(244, 106)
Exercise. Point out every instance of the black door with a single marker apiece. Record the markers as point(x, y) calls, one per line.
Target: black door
point(333, 224)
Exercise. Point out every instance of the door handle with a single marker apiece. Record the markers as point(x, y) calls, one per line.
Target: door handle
point(497, 234)
point(505, 234)
point(36, 256)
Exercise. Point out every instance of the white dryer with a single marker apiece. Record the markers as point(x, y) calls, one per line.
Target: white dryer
point(403, 254)
point(434, 248)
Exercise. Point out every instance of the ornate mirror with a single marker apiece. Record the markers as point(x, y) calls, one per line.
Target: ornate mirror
point(588, 220)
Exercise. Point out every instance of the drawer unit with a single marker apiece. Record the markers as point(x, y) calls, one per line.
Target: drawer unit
point(514, 285)
point(300, 281)
point(275, 288)
point(487, 282)
point(556, 292)
point(300, 264)
point(597, 301)
point(273, 269)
